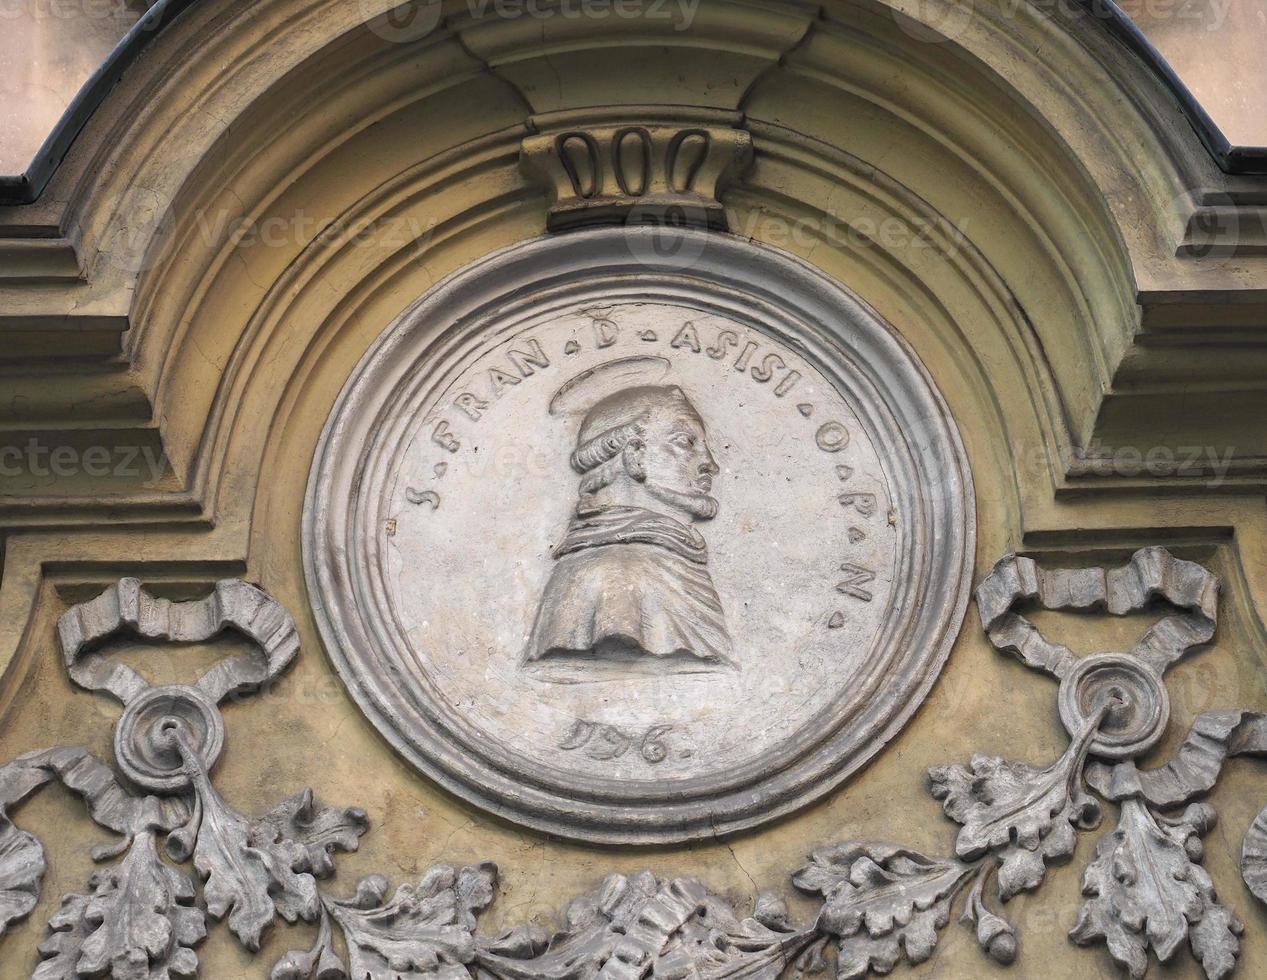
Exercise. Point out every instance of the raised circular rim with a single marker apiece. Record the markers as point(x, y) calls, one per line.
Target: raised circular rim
point(1108, 745)
point(125, 731)
point(731, 271)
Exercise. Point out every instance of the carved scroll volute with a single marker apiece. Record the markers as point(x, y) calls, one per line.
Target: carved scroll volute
point(605, 167)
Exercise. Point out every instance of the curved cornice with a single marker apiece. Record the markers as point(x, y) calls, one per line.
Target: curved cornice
point(1074, 166)
point(750, 40)
point(27, 187)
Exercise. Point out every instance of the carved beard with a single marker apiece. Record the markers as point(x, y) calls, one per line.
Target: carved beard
point(699, 505)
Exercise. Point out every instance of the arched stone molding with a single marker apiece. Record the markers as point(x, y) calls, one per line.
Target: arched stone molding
point(1071, 304)
point(1103, 229)
point(1090, 229)
point(854, 112)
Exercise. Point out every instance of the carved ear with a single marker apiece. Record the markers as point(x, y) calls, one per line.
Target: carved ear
point(634, 455)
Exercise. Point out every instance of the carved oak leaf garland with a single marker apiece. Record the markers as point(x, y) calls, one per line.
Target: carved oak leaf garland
point(1026, 816)
point(1147, 891)
point(425, 930)
point(253, 870)
point(22, 867)
point(422, 931)
point(139, 923)
point(321, 830)
point(881, 902)
point(641, 925)
point(884, 900)
point(245, 874)
point(69, 929)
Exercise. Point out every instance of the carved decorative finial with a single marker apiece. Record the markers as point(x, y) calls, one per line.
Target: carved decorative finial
point(608, 166)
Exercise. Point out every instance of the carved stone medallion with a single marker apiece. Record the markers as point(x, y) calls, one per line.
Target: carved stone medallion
point(637, 535)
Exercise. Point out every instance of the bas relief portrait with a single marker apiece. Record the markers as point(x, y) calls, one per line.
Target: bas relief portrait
point(638, 558)
point(630, 588)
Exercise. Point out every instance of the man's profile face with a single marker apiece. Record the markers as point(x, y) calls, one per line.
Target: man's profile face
point(677, 461)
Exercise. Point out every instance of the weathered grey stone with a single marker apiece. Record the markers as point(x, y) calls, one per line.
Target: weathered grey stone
point(638, 534)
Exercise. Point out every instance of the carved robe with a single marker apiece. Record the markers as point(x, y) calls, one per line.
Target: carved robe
point(630, 585)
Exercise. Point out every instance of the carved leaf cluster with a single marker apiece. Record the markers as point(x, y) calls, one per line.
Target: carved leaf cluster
point(642, 925)
point(22, 868)
point(592, 926)
point(1026, 816)
point(881, 901)
point(249, 872)
point(255, 870)
point(69, 928)
point(424, 931)
point(321, 830)
point(139, 923)
point(22, 861)
point(717, 939)
point(1146, 891)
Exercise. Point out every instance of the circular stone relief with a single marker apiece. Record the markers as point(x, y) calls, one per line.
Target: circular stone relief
point(639, 536)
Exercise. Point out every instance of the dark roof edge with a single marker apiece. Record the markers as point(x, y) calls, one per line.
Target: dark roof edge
point(26, 188)
point(1231, 159)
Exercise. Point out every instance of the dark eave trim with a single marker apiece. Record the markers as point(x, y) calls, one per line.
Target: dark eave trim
point(1231, 159)
point(26, 188)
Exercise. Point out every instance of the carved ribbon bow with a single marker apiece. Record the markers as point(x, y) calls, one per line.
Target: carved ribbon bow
point(1167, 896)
point(140, 920)
point(1146, 890)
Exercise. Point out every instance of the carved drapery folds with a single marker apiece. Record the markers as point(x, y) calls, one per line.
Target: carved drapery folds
point(144, 914)
point(669, 167)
